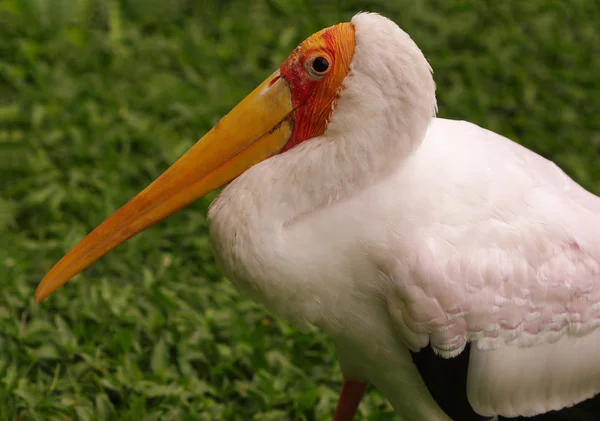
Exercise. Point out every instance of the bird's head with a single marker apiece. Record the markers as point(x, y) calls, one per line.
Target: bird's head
point(354, 71)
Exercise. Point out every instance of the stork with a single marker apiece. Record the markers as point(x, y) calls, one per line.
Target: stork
point(351, 207)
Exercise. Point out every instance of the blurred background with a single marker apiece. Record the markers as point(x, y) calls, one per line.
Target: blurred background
point(97, 97)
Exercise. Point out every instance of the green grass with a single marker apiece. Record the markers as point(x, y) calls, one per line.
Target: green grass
point(98, 97)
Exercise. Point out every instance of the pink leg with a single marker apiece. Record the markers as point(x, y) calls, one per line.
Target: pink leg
point(350, 396)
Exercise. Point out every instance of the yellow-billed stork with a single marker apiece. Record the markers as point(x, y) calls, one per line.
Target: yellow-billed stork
point(352, 208)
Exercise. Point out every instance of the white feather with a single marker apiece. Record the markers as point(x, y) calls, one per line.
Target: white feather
point(395, 230)
point(513, 381)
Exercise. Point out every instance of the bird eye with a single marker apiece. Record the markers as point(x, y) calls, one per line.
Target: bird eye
point(318, 66)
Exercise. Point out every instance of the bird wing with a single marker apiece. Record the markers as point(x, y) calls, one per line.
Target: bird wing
point(499, 247)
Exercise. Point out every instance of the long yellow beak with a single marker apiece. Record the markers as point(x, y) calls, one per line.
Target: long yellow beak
point(256, 129)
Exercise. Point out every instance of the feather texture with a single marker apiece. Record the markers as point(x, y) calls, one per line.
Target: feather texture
point(509, 261)
point(512, 380)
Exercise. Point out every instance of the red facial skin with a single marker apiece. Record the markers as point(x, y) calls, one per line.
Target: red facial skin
point(314, 95)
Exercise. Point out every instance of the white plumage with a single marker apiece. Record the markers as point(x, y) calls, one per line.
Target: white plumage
point(395, 230)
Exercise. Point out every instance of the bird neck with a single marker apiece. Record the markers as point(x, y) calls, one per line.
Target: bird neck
point(369, 136)
point(255, 220)
point(312, 176)
point(364, 144)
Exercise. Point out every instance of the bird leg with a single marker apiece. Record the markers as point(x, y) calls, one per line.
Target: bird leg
point(350, 397)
